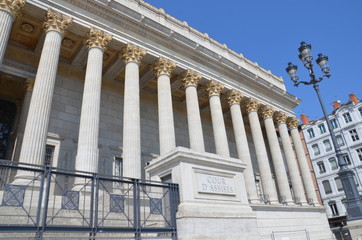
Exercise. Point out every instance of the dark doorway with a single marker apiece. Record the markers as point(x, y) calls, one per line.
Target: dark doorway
point(7, 116)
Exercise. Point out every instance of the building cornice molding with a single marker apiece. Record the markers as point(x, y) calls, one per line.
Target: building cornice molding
point(236, 69)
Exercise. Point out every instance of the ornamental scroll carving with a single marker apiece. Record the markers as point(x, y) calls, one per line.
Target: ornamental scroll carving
point(163, 66)
point(214, 88)
point(98, 38)
point(234, 97)
point(250, 105)
point(190, 78)
point(266, 112)
point(280, 118)
point(56, 22)
point(12, 6)
point(132, 53)
point(29, 84)
point(292, 122)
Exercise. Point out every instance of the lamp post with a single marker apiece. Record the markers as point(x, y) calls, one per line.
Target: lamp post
point(354, 202)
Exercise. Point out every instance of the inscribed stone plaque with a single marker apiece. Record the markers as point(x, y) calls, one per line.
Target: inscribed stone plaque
point(215, 184)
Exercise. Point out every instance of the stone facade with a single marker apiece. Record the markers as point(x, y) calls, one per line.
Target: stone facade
point(123, 81)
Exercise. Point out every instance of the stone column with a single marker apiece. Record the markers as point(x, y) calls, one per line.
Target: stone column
point(36, 130)
point(251, 107)
point(297, 185)
point(190, 80)
point(163, 69)
point(132, 56)
point(214, 89)
point(266, 113)
point(302, 160)
point(29, 85)
point(87, 152)
point(9, 9)
point(234, 98)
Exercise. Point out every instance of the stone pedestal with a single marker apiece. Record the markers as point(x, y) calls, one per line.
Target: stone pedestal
point(213, 200)
point(355, 229)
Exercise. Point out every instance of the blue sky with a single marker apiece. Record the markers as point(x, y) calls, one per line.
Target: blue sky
point(270, 31)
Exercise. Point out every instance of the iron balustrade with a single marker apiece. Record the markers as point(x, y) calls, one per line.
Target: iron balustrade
point(43, 200)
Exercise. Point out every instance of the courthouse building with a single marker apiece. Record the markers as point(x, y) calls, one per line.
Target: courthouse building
point(119, 87)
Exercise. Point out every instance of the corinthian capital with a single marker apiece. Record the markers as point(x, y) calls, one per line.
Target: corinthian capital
point(234, 97)
point(29, 84)
point(214, 88)
point(280, 118)
point(56, 21)
point(250, 105)
point(12, 6)
point(98, 38)
point(132, 53)
point(292, 122)
point(266, 112)
point(190, 78)
point(163, 66)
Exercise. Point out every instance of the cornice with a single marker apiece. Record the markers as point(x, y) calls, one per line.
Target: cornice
point(221, 63)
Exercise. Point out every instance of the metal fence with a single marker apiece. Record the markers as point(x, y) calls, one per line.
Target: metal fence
point(43, 201)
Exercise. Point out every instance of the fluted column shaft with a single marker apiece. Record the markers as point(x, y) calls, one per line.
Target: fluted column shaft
point(242, 145)
point(295, 177)
point(276, 153)
point(261, 154)
point(190, 80)
point(6, 20)
point(131, 115)
point(87, 152)
point(8, 12)
point(35, 134)
point(302, 160)
point(221, 142)
point(23, 116)
point(163, 69)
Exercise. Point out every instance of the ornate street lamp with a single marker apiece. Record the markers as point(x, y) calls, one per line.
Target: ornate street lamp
point(353, 199)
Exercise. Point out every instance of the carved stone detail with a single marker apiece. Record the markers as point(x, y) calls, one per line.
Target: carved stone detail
point(57, 22)
point(97, 38)
point(234, 97)
point(250, 105)
point(279, 118)
point(190, 78)
point(132, 53)
point(292, 122)
point(266, 112)
point(214, 88)
point(12, 6)
point(29, 84)
point(163, 66)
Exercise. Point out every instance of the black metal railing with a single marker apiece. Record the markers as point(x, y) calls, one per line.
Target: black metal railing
point(44, 200)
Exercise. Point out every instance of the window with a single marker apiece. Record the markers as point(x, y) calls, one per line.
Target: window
point(346, 158)
point(333, 207)
point(321, 167)
point(327, 187)
point(340, 141)
point(338, 184)
point(316, 149)
point(359, 153)
point(322, 128)
point(334, 123)
point(333, 163)
point(360, 111)
point(311, 133)
point(327, 145)
point(49, 154)
point(354, 135)
point(347, 117)
point(118, 167)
